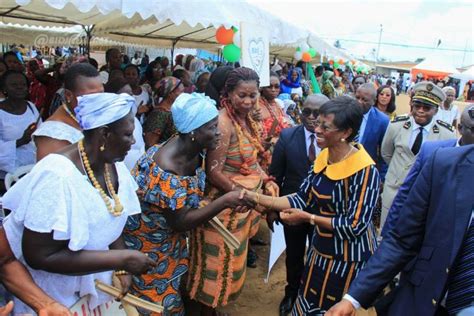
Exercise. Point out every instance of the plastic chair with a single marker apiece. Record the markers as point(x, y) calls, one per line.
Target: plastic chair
point(11, 178)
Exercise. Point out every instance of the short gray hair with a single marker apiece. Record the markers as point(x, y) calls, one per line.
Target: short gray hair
point(317, 99)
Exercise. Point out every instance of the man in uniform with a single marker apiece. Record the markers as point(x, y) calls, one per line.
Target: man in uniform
point(404, 137)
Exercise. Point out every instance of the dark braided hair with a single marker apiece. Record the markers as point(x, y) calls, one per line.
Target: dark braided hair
point(238, 75)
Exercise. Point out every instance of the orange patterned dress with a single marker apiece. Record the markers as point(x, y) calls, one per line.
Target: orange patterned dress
point(148, 232)
point(217, 273)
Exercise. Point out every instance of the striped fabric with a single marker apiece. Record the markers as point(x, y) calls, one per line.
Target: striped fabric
point(350, 203)
point(217, 274)
point(336, 256)
point(461, 284)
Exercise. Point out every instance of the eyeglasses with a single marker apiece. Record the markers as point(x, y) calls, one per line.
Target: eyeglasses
point(324, 127)
point(307, 112)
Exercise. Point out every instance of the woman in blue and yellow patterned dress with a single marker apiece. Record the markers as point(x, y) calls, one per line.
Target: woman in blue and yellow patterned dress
point(338, 197)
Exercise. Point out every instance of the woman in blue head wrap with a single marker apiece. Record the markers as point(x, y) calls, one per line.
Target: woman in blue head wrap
point(172, 182)
point(292, 84)
point(68, 214)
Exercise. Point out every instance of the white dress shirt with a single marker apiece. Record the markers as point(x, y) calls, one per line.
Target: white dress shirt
point(307, 137)
point(415, 129)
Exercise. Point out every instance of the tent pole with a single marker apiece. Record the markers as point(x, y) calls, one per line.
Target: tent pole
point(172, 53)
point(88, 30)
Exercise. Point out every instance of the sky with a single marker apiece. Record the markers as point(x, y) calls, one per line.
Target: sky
point(412, 23)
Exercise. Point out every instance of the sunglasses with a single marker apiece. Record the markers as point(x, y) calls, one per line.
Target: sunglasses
point(307, 112)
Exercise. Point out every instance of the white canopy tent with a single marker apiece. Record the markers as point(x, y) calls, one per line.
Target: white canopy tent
point(53, 36)
point(431, 67)
point(466, 75)
point(162, 23)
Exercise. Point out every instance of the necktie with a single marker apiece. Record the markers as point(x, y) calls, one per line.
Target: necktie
point(461, 282)
point(417, 144)
point(312, 149)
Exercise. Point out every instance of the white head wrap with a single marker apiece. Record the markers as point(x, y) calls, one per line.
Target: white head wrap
point(99, 109)
point(191, 111)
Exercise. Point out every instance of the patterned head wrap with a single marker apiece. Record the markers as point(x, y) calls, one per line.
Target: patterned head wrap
point(165, 86)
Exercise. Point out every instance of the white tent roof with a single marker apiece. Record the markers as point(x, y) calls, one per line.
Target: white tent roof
point(162, 23)
point(468, 74)
point(435, 65)
point(53, 36)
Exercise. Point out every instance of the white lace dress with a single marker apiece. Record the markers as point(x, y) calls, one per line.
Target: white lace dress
point(59, 130)
point(56, 197)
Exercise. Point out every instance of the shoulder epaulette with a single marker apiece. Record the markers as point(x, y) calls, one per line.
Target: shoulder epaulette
point(400, 118)
point(446, 125)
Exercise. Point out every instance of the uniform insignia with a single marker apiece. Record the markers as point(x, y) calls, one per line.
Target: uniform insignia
point(407, 125)
point(444, 124)
point(435, 129)
point(400, 118)
point(429, 87)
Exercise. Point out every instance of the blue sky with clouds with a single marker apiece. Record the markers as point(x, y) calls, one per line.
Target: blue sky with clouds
point(413, 23)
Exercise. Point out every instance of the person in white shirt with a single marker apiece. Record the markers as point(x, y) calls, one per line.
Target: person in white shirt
point(141, 95)
point(113, 58)
point(448, 111)
point(136, 60)
point(19, 118)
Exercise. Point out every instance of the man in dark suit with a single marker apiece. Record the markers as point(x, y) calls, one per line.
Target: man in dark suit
point(373, 126)
point(292, 158)
point(432, 242)
point(427, 149)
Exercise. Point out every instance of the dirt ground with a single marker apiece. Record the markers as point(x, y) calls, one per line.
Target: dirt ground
point(262, 299)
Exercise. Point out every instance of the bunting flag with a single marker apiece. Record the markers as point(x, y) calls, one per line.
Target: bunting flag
point(312, 77)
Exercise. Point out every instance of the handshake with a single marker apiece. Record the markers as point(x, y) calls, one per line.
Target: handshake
point(278, 208)
point(243, 200)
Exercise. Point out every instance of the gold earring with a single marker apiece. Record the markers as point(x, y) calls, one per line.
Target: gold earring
point(192, 137)
point(343, 139)
point(102, 148)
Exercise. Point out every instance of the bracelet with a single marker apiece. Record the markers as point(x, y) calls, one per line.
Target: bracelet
point(258, 199)
point(120, 272)
point(312, 219)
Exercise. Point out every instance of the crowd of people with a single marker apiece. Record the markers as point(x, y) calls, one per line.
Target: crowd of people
point(128, 168)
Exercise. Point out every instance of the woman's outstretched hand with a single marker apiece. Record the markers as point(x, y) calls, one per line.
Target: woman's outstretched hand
point(240, 201)
point(294, 216)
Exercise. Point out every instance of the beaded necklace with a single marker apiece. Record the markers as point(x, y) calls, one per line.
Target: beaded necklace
point(118, 208)
point(253, 136)
point(70, 113)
